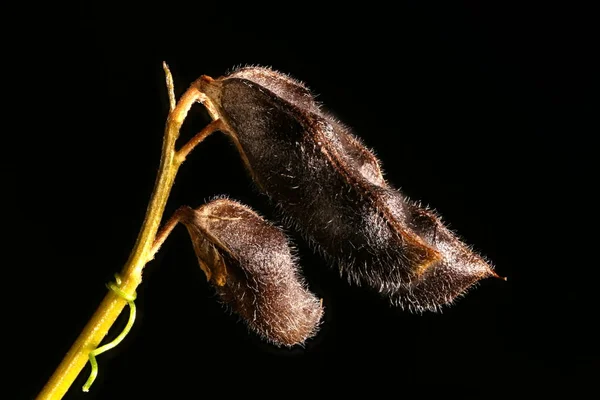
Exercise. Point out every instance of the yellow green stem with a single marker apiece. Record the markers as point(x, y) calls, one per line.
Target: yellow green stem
point(115, 287)
point(131, 276)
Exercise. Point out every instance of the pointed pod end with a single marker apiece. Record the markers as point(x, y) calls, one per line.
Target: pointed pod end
point(495, 275)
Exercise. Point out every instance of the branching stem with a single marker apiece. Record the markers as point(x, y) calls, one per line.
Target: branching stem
point(144, 249)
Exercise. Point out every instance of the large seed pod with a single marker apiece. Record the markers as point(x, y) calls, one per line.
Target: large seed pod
point(249, 263)
point(330, 187)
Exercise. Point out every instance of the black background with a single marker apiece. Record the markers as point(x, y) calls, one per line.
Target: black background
point(479, 111)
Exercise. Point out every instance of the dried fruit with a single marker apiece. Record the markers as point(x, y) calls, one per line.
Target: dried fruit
point(329, 186)
point(249, 262)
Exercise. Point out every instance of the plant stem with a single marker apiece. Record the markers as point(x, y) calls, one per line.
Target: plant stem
point(131, 275)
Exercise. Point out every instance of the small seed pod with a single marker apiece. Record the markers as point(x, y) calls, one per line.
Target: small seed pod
point(249, 263)
point(330, 187)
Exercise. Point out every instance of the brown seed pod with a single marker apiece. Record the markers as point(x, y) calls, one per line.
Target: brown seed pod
point(250, 264)
point(330, 187)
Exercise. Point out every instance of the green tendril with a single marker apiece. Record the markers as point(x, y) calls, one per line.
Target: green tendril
point(115, 287)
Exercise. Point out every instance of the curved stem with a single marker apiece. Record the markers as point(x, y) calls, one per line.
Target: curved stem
point(131, 275)
point(216, 125)
point(167, 229)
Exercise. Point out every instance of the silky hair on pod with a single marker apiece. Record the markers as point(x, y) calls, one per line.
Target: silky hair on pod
point(249, 263)
point(330, 188)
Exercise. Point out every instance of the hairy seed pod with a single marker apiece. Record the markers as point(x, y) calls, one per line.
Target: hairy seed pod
point(250, 264)
point(330, 187)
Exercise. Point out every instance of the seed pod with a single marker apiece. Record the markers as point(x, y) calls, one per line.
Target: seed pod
point(330, 187)
point(249, 263)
